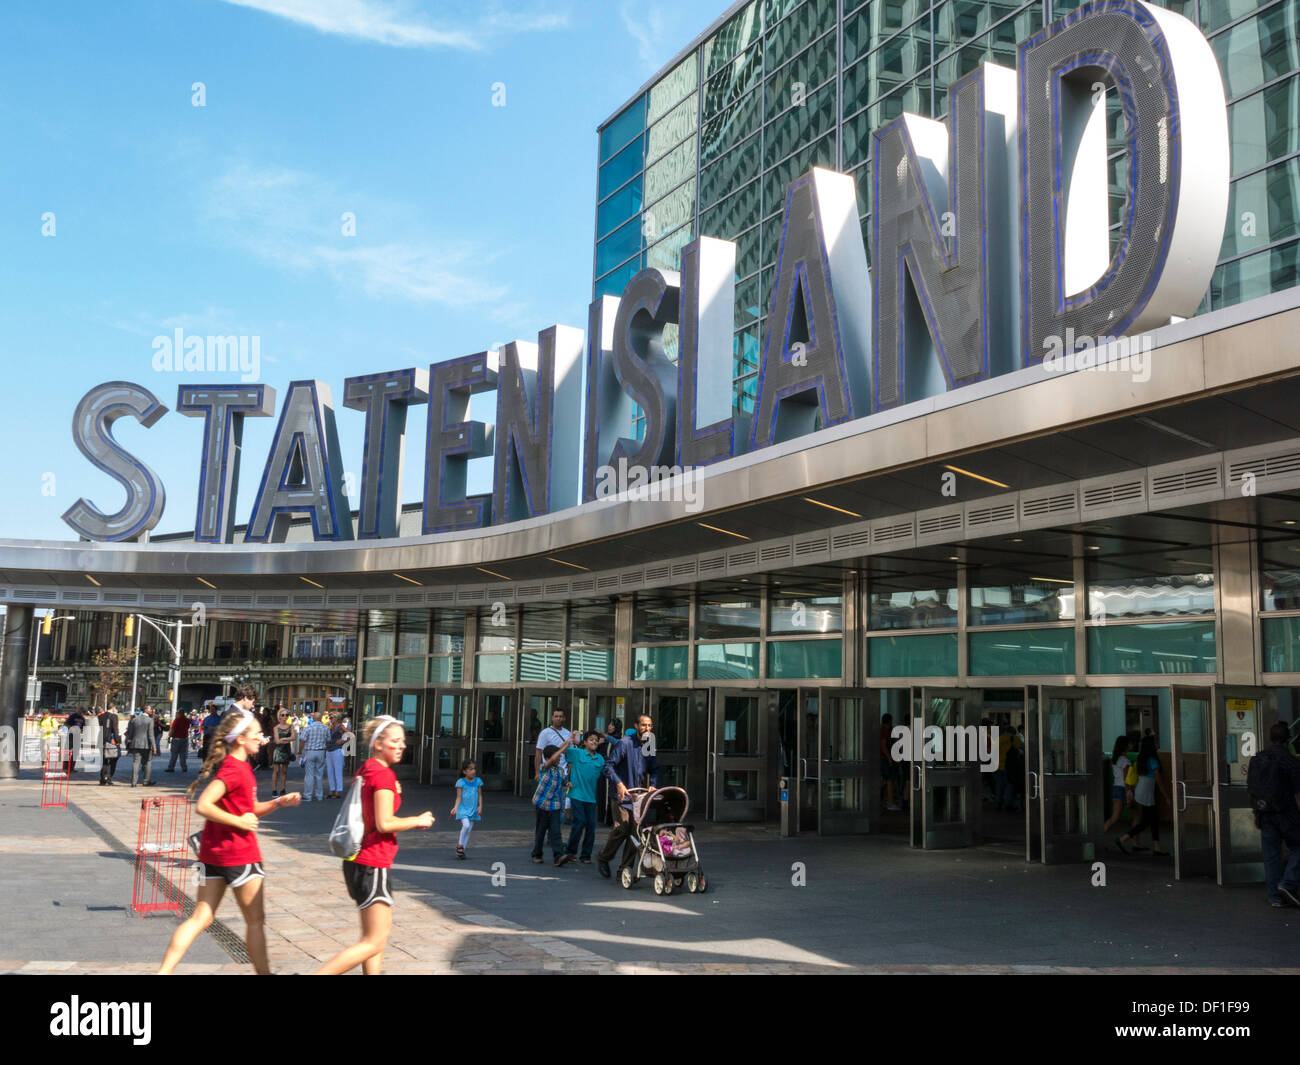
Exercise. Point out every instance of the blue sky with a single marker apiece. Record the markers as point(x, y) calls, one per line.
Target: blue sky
point(473, 221)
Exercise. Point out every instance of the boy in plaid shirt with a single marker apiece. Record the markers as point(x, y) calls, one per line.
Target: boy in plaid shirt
point(549, 800)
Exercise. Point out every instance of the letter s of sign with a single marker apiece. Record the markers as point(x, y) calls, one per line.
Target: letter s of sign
point(92, 431)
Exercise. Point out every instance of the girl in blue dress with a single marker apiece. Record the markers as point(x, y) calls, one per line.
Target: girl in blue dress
point(469, 803)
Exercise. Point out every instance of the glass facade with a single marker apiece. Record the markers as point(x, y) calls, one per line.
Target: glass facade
point(781, 86)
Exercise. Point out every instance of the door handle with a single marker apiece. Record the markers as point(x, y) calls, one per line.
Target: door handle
point(1183, 784)
point(1034, 794)
point(916, 777)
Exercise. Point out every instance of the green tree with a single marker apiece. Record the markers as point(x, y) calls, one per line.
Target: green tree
point(111, 679)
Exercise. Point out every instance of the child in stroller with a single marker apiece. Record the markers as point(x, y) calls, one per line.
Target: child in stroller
point(664, 844)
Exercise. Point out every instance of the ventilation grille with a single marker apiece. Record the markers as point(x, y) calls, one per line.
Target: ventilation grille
point(470, 595)
point(633, 576)
point(272, 600)
point(775, 553)
point(939, 523)
point(109, 597)
point(656, 574)
point(1195, 480)
point(560, 588)
point(815, 546)
point(309, 600)
point(528, 589)
point(1110, 495)
point(90, 597)
point(409, 598)
point(342, 599)
point(883, 534)
point(439, 597)
point(712, 565)
point(846, 540)
point(376, 599)
point(742, 559)
point(683, 569)
point(584, 584)
point(1265, 466)
point(994, 515)
point(603, 583)
point(168, 598)
point(1039, 506)
point(232, 599)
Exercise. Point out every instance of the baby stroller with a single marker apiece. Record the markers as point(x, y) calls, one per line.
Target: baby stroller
point(664, 844)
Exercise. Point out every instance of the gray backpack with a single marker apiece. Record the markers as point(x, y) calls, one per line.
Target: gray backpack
point(350, 825)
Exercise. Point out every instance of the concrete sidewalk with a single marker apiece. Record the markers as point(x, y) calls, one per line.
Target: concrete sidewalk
point(867, 904)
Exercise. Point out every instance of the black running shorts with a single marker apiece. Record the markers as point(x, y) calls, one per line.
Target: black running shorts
point(234, 875)
point(367, 885)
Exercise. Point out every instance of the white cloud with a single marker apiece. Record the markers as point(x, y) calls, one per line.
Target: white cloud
point(291, 220)
point(404, 24)
point(648, 27)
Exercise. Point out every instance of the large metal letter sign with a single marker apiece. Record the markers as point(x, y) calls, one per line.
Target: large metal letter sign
point(644, 371)
point(537, 435)
point(303, 471)
point(942, 261)
point(92, 430)
point(704, 392)
point(1177, 138)
point(813, 371)
point(384, 397)
point(223, 409)
point(609, 410)
point(452, 441)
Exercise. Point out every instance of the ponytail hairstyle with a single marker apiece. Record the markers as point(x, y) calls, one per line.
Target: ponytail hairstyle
point(217, 749)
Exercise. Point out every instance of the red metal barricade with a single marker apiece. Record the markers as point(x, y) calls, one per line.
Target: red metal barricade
point(161, 859)
point(57, 768)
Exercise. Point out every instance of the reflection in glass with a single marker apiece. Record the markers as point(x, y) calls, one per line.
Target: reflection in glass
point(739, 785)
point(740, 725)
point(671, 719)
point(718, 617)
point(451, 720)
point(657, 620)
point(1020, 601)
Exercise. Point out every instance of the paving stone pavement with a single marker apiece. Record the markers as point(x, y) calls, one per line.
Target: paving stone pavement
point(568, 921)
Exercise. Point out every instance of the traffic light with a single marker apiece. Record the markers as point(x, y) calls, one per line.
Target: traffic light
point(169, 695)
point(130, 626)
point(47, 624)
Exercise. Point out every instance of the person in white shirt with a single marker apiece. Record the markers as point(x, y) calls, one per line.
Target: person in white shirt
point(556, 735)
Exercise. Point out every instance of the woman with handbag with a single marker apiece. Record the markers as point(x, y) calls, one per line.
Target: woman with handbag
point(366, 874)
point(228, 850)
point(282, 737)
point(110, 744)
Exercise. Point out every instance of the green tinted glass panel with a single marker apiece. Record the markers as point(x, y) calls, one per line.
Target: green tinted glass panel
point(410, 671)
point(495, 668)
point(618, 246)
point(931, 655)
point(733, 81)
point(675, 127)
point(1177, 648)
point(378, 672)
point(618, 208)
point(730, 126)
point(1281, 645)
point(800, 126)
point(622, 168)
point(670, 171)
point(732, 170)
point(727, 661)
point(1256, 275)
point(612, 284)
point(809, 22)
point(1263, 209)
point(590, 665)
point(669, 214)
point(733, 37)
point(537, 666)
point(733, 215)
point(1265, 126)
point(805, 658)
point(659, 663)
point(623, 128)
point(1259, 49)
point(1025, 652)
point(445, 670)
point(792, 86)
point(673, 87)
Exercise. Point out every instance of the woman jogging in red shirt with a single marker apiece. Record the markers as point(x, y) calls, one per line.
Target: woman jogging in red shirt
point(229, 850)
point(366, 875)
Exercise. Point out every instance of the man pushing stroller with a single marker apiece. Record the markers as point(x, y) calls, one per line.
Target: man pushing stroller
point(629, 765)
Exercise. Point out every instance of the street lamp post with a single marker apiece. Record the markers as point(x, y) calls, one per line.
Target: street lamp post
point(174, 671)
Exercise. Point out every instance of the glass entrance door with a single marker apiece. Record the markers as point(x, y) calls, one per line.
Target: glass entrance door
point(406, 708)
point(1069, 767)
point(681, 731)
point(807, 762)
point(1192, 783)
point(535, 708)
point(739, 754)
point(450, 729)
point(848, 787)
point(596, 707)
point(495, 744)
point(1242, 719)
point(949, 792)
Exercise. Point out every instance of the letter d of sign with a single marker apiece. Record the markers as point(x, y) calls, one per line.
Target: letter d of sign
point(92, 430)
point(304, 471)
point(814, 368)
point(1176, 130)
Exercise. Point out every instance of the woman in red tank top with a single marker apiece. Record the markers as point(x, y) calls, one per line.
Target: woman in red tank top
point(366, 875)
point(228, 851)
